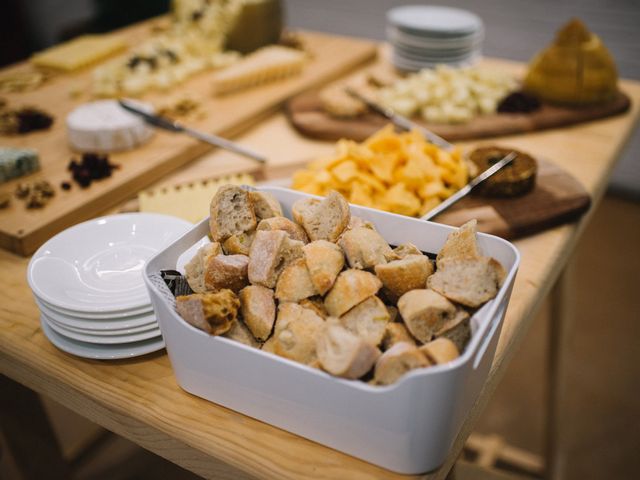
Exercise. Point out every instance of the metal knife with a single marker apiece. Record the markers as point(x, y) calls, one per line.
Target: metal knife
point(173, 126)
point(496, 167)
point(400, 120)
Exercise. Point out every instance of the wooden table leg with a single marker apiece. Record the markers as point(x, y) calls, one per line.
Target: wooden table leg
point(559, 328)
point(28, 434)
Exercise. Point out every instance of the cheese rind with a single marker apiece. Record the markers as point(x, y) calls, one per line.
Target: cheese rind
point(104, 126)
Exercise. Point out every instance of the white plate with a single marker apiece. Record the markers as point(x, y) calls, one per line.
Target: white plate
point(104, 333)
point(100, 352)
point(121, 314)
point(433, 20)
point(101, 339)
point(96, 266)
point(135, 322)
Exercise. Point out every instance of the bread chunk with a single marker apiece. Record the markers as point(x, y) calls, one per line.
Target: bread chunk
point(461, 243)
point(368, 320)
point(405, 249)
point(302, 208)
point(269, 345)
point(239, 243)
point(258, 309)
point(316, 304)
point(350, 288)
point(194, 270)
point(344, 354)
point(295, 231)
point(325, 220)
point(226, 271)
point(231, 213)
point(398, 360)
point(440, 350)
point(294, 283)
point(468, 281)
point(365, 248)
point(325, 261)
point(408, 273)
point(296, 331)
point(458, 330)
point(240, 333)
point(425, 312)
point(271, 252)
point(265, 205)
point(212, 312)
point(396, 333)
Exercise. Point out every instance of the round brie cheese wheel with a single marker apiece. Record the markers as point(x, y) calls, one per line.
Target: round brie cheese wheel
point(104, 126)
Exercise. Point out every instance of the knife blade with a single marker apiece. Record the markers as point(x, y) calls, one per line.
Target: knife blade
point(173, 126)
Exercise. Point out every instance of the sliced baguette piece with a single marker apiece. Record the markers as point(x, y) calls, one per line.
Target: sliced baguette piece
point(398, 360)
point(396, 333)
point(294, 283)
point(271, 251)
point(258, 309)
point(356, 222)
point(325, 220)
point(265, 205)
point(344, 354)
point(295, 333)
point(350, 288)
point(408, 273)
point(316, 304)
point(368, 320)
point(458, 329)
point(194, 270)
point(231, 212)
point(303, 208)
point(226, 271)
point(365, 248)
point(461, 243)
point(440, 350)
point(240, 333)
point(295, 231)
point(325, 261)
point(405, 249)
point(212, 312)
point(239, 243)
point(425, 312)
point(468, 281)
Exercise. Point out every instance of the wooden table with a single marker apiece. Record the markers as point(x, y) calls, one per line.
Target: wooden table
point(140, 400)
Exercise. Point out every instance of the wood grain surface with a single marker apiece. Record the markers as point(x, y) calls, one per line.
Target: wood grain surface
point(309, 118)
point(139, 398)
point(23, 230)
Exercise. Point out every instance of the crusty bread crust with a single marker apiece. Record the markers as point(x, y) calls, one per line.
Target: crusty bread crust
point(240, 333)
point(294, 283)
point(440, 350)
point(295, 231)
point(295, 333)
point(368, 320)
point(265, 205)
point(343, 353)
point(398, 360)
point(425, 312)
point(239, 243)
point(365, 248)
point(325, 261)
point(271, 251)
point(231, 212)
point(212, 312)
point(194, 270)
point(458, 329)
point(302, 208)
point(226, 271)
point(258, 309)
point(461, 243)
point(408, 273)
point(396, 332)
point(325, 220)
point(350, 288)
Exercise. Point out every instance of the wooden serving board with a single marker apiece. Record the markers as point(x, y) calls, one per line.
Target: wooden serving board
point(308, 117)
point(557, 198)
point(23, 231)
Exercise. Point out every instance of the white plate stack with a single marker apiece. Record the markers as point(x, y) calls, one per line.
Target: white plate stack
point(424, 36)
point(87, 282)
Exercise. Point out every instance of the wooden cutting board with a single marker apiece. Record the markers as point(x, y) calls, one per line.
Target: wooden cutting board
point(557, 198)
point(307, 116)
point(23, 231)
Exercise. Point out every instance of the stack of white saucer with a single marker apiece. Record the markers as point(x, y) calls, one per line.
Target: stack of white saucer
point(424, 36)
point(87, 282)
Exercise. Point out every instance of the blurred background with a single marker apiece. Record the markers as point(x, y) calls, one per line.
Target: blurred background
point(601, 412)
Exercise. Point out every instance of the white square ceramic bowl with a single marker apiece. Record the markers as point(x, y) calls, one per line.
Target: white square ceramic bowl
point(407, 427)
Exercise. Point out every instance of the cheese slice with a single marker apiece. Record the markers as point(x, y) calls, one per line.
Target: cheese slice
point(188, 201)
point(17, 162)
point(104, 126)
point(79, 52)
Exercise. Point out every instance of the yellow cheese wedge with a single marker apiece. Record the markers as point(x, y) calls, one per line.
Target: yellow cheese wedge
point(79, 52)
